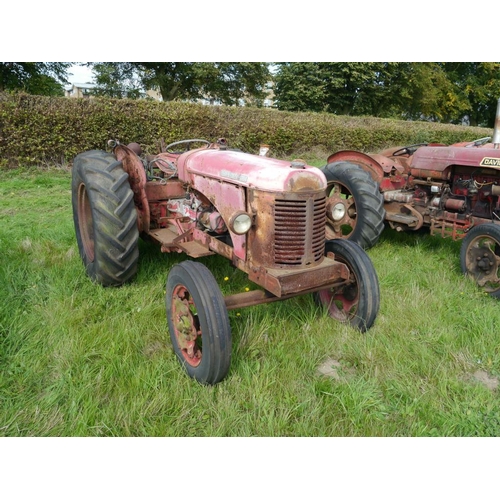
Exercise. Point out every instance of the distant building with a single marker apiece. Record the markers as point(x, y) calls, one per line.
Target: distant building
point(79, 90)
point(153, 94)
point(267, 102)
point(84, 90)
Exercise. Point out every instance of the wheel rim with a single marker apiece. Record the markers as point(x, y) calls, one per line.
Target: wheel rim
point(340, 226)
point(342, 302)
point(482, 261)
point(186, 326)
point(85, 222)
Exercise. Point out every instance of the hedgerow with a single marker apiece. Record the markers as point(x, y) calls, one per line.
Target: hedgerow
point(39, 130)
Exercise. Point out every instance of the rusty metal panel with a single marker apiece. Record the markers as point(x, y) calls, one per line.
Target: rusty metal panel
point(227, 199)
point(366, 162)
point(282, 282)
point(299, 231)
point(156, 191)
point(137, 180)
point(289, 229)
point(450, 225)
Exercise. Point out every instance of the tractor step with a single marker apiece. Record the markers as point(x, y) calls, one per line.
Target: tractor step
point(167, 239)
point(409, 220)
point(194, 249)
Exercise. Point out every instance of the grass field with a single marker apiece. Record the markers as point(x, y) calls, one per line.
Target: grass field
point(81, 360)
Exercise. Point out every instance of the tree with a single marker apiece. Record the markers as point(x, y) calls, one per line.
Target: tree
point(477, 85)
point(422, 91)
point(223, 82)
point(117, 80)
point(301, 86)
point(350, 88)
point(43, 78)
point(446, 92)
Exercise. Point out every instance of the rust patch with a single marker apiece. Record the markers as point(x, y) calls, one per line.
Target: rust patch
point(137, 179)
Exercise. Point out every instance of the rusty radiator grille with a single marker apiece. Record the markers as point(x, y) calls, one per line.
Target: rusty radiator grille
point(318, 228)
point(299, 231)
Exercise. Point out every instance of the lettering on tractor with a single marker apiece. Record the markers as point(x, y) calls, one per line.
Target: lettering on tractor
point(490, 162)
point(266, 216)
point(453, 190)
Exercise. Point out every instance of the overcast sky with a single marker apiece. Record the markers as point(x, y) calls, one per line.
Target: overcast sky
point(79, 74)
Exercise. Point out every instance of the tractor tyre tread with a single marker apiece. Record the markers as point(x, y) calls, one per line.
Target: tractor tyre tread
point(368, 198)
point(114, 218)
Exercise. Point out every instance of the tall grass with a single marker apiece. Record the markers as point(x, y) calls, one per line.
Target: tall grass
point(80, 360)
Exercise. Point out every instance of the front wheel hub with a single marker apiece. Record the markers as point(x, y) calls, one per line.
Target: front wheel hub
point(484, 259)
point(485, 264)
point(337, 212)
point(186, 333)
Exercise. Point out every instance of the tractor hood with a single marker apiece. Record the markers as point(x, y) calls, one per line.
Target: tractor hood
point(440, 158)
point(252, 171)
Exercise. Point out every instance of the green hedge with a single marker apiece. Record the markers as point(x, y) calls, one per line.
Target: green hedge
point(38, 129)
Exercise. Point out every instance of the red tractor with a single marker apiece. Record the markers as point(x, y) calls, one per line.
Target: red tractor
point(452, 190)
point(266, 216)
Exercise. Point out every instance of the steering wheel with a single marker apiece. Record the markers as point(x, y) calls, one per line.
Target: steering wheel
point(187, 143)
point(478, 142)
point(408, 150)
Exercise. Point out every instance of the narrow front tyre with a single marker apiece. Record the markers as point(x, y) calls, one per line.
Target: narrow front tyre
point(356, 301)
point(198, 322)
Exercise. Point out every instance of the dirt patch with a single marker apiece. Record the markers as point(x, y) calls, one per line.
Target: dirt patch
point(333, 368)
point(70, 253)
point(486, 379)
point(154, 348)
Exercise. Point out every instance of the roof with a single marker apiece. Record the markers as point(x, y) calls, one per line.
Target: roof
point(80, 86)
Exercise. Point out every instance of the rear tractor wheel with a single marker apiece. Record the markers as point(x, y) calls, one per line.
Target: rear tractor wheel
point(355, 206)
point(105, 218)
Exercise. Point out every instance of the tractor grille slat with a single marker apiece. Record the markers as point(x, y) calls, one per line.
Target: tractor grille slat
point(299, 231)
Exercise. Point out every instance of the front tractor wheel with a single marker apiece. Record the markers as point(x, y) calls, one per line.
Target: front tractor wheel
point(355, 206)
point(198, 322)
point(105, 218)
point(480, 257)
point(357, 301)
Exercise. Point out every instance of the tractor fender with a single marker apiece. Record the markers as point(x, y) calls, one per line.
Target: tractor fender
point(133, 166)
point(378, 166)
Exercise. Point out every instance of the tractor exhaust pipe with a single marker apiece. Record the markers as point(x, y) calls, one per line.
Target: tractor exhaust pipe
point(496, 131)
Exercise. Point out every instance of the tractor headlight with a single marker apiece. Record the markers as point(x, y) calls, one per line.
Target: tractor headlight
point(338, 212)
point(240, 223)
